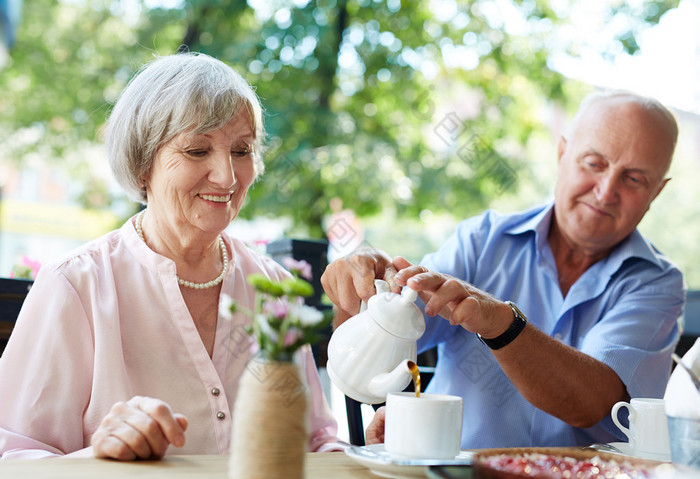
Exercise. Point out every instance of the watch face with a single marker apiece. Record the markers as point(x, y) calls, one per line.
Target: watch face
point(516, 311)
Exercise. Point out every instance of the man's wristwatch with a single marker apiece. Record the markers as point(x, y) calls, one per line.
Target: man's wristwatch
point(511, 333)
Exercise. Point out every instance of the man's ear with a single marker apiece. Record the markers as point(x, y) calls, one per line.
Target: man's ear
point(661, 187)
point(561, 148)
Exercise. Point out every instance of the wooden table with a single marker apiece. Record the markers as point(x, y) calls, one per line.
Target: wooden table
point(326, 465)
point(335, 465)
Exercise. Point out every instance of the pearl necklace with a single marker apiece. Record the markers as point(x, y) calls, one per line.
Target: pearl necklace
point(190, 284)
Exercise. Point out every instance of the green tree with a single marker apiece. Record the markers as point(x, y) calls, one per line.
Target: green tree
point(382, 103)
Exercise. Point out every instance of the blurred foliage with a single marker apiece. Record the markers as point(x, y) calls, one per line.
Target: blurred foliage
point(410, 105)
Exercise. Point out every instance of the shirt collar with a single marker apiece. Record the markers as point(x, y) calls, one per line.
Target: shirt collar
point(633, 246)
point(537, 221)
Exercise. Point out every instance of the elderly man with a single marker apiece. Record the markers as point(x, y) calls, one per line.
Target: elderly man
point(544, 319)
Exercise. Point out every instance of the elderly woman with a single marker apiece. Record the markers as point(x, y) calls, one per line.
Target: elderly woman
point(119, 350)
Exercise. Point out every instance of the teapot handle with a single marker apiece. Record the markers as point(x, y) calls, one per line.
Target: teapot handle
point(382, 286)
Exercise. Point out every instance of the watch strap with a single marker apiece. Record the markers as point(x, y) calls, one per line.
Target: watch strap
point(515, 328)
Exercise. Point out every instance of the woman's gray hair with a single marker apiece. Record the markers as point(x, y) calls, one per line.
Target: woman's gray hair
point(185, 92)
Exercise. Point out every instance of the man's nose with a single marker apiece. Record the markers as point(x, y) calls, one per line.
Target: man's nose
point(607, 188)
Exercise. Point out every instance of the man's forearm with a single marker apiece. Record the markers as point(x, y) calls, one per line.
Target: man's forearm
point(559, 379)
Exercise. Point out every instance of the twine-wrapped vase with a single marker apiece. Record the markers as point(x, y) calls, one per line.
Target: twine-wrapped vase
point(269, 424)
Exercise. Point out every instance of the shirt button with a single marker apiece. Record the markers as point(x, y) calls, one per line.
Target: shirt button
point(220, 415)
point(215, 391)
point(557, 337)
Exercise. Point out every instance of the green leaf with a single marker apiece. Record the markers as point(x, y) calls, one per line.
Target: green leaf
point(265, 285)
point(297, 287)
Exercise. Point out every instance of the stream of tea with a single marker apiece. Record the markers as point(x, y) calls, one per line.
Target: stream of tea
point(413, 368)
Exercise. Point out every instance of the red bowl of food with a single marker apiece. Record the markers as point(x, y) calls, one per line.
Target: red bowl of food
point(555, 463)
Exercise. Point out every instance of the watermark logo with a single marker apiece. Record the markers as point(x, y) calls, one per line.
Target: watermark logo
point(289, 388)
point(500, 388)
point(282, 383)
point(473, 149)
point(475, 365)
point(342, 234)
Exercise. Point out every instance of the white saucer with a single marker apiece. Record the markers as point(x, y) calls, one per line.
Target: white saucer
point(625, 449)
point(382, 464)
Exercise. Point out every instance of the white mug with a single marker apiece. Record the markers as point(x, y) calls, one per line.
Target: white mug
point(425, 427)
point(648, 431)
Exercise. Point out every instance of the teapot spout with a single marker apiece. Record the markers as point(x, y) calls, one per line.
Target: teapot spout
point(393, 381)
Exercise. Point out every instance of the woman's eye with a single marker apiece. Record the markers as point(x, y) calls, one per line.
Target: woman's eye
point(197, 153)
point(241, 152)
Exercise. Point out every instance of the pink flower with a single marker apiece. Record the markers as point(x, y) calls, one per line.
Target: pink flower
point(301, 267)
point(27, 268)
point(277, 309)
point(292, 336)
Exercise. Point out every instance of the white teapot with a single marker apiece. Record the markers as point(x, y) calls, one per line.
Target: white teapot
point(368, 354)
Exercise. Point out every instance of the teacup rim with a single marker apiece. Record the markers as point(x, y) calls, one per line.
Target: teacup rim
point(425, 396)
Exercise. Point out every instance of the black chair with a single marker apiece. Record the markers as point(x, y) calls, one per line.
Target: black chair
point(691, 317)
point(314, 252)
point(12, 294)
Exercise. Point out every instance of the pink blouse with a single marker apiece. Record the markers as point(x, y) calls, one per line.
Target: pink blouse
point(108, 323)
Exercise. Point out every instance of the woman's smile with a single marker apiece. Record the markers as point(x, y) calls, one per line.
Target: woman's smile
point(216, 198)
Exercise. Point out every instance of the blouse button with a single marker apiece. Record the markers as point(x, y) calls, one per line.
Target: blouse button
point(220, 415)
point(215, 391)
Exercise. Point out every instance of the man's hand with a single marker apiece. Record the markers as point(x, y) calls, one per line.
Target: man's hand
point(456, 300)
point(140, 428)
point(350, 280)
point(374, 434)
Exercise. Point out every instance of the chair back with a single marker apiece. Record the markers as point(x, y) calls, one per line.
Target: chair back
point(12, 294)
point(691, 322)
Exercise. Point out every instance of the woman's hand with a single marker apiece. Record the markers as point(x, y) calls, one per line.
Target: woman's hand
point(374, 434)
point(140, 428)
point(457, 301)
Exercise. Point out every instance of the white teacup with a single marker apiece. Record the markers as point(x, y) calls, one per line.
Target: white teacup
point(648, 431)
point(425, 427)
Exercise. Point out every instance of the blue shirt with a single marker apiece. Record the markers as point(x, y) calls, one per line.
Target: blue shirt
point(623, 311)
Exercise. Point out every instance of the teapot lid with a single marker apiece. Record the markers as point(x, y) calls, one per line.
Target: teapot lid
point(397, 314)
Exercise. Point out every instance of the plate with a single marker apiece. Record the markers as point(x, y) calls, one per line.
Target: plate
point(626, 450)
point(382, 464)
point(449, 472)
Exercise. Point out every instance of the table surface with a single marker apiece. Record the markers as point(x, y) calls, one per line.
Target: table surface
point(336, 465)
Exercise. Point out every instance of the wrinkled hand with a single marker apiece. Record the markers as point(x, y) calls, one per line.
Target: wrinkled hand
point(350, 280)
point(140, 428)
point(374, 434)
point(457, 301)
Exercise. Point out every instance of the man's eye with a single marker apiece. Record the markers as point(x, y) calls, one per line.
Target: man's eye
point(634, 180)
